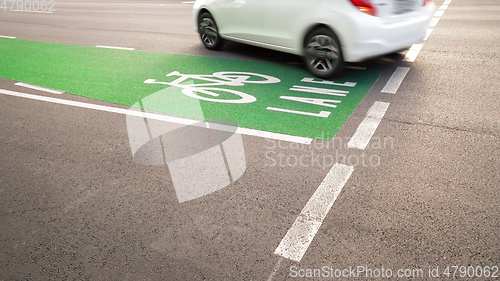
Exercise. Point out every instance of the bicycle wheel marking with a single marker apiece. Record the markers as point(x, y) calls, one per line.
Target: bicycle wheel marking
point(269, 97)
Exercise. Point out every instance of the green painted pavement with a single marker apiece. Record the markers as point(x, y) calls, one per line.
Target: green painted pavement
point(118, 76)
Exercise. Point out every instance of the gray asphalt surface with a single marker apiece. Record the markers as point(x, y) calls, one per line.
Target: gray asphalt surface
point(75, 206)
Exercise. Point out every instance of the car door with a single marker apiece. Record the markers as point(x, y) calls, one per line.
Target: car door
point(237, 18)
point(285, 19)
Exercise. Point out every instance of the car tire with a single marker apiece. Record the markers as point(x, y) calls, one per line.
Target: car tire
point(323, 54)
point(209, 33)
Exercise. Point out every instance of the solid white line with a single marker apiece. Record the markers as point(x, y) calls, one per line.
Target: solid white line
point(118, 48)
point(8, 37)
point(368, 126)
point(428, 33)
point(52, 91)
point(395, 81)
point(434, 22)
point(166, 118)
point(298, 238)
point(439, 13)
point(412, 54)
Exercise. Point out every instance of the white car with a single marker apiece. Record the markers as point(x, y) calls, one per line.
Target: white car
point(327, 33)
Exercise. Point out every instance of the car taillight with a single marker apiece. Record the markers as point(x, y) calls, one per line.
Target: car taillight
point(365, 7)
point(427, 2)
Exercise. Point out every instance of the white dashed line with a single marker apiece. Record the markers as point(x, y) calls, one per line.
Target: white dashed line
point(434, 22)
point(160, 117)
point(447, 2)
point(8, 37)
point(412, 54)
point(439, 13)
point(443, 7)
point(368, 126)
point(395, 81)
point(428, 33)
point(52, 91)
point(118, 48)
point(300, 235)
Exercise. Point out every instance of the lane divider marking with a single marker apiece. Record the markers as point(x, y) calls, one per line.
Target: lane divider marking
point(368, 126)
point(439, 13)
point(434, 22)
point(166, 118)
point(396, 79)
point(118, 48)
point(8, 37)
point(428, 33)
point(39, 88)
point(298, 238)
point(412, 54)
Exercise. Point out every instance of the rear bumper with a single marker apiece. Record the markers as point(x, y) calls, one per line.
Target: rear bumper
point(374, 36)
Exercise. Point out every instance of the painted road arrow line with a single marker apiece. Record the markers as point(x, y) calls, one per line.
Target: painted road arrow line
point(166, 118)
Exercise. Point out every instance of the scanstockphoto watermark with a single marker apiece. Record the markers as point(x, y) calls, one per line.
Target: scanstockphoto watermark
point(366, 272)
point(321, 154)
point(351, 272)
point(34, 6)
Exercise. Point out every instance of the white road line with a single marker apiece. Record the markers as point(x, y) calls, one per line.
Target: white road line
point(443, 7)
point(412, 54)
point(439, 13)
point(188, 2)
point(434, 22)
point(298, 238)
point(368, 126)
point(428, 33)
point(52, 91)
point(160, 117)
point(447, 2)
point(8, 37)
point(395, 81)
point(118, 48)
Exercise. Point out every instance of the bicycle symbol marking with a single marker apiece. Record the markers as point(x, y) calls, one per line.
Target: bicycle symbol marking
point(223, 78)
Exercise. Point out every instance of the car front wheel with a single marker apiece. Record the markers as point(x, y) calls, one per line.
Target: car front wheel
point(208, 32)
point(323, 54)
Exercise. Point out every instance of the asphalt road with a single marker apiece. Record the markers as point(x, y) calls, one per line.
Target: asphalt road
point(76, 206)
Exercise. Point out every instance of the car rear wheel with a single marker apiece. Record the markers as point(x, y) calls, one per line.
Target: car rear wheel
point(323, 54)
point(208, 32)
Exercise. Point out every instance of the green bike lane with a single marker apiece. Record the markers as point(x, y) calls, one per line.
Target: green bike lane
point(263, 96)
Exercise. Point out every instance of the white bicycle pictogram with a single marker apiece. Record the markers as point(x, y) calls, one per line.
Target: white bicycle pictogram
point(223, 78)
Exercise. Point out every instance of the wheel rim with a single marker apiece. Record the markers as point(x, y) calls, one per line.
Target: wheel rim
point(322, 53)
point(208, 31)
